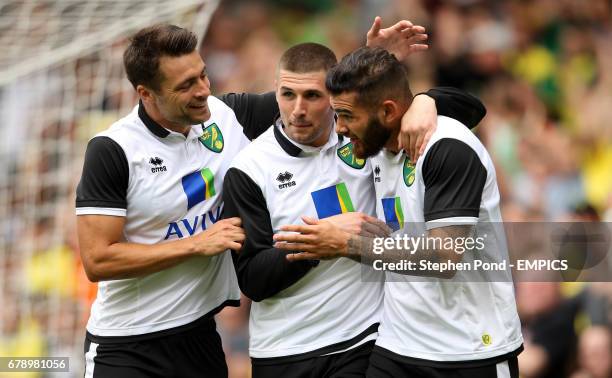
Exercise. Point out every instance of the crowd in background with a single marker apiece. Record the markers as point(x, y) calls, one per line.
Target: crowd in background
point(543, 69)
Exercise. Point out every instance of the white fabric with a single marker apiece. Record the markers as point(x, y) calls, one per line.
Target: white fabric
point(89, 360)
point(331, 303)
point(447, 320)
point(157, 211)
point(503, 370)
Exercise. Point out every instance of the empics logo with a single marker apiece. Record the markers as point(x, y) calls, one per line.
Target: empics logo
point(394, 216)
point(198, 186)
point(332, 201)
point(157, 166)
point(285, 180)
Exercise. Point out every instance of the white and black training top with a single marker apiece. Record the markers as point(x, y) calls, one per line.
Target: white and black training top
point(331, 307)
point(308, 308)
point(167, 186)
point(469, 320)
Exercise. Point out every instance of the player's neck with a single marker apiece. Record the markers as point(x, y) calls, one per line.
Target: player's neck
point(156, 116)
point(392, 144)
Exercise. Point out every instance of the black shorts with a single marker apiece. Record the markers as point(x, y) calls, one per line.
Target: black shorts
point(383, 366)
point(350, 364)
point(195, 352)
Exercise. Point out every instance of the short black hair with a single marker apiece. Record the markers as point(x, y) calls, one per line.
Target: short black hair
point(307, 57)
point(148, 45)
point(373, 74)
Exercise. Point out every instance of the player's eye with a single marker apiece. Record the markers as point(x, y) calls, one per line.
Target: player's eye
point(287, 94)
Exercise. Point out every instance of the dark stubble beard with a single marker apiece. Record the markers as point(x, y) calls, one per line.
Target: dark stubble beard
point(374, 139)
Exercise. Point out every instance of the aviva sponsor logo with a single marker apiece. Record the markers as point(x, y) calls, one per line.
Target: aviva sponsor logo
point(188, 227)
point(332, 201)
point(212, 138)
point(408, 172)
point(346, 155)
point(198, 186)
point(394, 216)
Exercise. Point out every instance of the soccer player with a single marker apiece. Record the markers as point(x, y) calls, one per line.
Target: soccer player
point(308, 319)
point(149, 211)
point(452, 323)
point(149, 182)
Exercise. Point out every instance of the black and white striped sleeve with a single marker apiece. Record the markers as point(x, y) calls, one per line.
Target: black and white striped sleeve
point(102, 189)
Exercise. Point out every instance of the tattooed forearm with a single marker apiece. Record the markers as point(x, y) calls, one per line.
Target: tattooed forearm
point(362, 249)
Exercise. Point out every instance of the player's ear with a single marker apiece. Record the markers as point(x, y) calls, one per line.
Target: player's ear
point(390, 112)
point(144, 93)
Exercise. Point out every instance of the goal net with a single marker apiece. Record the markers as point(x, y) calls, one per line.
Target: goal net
point(61, 81)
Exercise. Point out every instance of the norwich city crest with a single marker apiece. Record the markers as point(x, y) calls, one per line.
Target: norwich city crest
point(346, 155)
point(408, 172)
point(212, 138)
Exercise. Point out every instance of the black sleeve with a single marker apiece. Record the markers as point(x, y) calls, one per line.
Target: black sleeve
point(105, 175)
point(454, 103)
point(254, 112)
point(262, 270)
point(454, 180)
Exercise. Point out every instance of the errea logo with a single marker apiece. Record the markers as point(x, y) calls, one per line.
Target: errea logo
point(285, 180)
point(156, 165)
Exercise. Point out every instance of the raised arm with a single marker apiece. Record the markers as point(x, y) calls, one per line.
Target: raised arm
point(460, 105)
point(256, 112)
point(402, 39)
point(419, 122)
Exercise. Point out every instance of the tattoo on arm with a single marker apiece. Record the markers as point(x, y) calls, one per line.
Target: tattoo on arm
point(362, 249)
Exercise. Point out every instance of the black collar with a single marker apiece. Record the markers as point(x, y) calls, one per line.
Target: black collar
point(285, 143)
point(153, 126)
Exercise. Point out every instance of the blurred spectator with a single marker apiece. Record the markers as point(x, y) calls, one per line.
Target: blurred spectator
point(595, 353)
point(543, 68)
point(598, 303)
point(21, 335)
point(232, 322)
point(548, 329)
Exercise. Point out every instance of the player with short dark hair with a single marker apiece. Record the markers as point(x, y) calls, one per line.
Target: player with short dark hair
point(448, 323)
point(307, 57)
point(308, 319)
point(373, 77)
point(142, 57)
point(149, 212)
point(149, 215)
